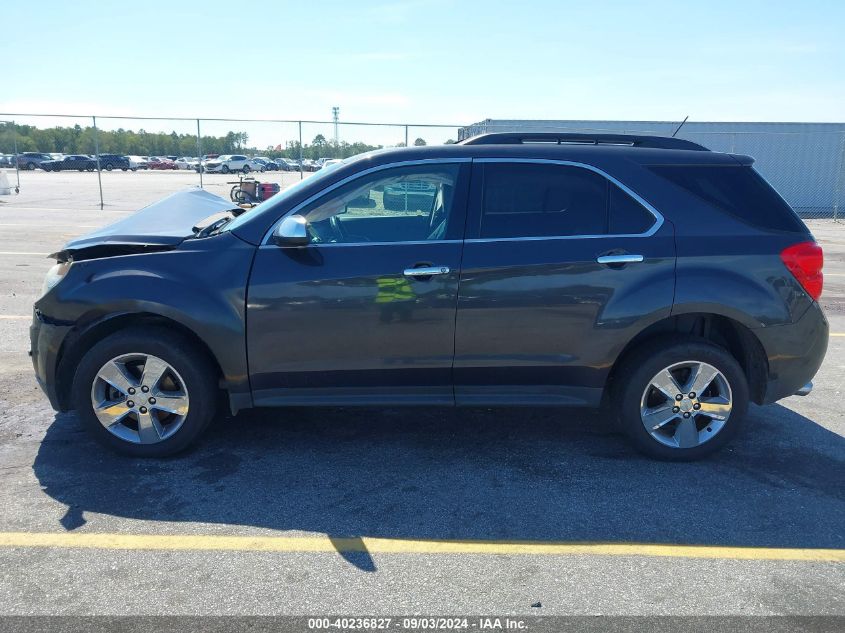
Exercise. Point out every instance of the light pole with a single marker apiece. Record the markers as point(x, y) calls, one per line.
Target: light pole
point(335, 116)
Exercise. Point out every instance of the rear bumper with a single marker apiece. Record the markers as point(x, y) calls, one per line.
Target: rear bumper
point(795, 352)
point(45, 342)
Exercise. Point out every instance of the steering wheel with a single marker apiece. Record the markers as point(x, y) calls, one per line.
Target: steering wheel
point(341, 235)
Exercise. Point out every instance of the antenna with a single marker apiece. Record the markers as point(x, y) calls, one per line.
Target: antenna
point(680, 126)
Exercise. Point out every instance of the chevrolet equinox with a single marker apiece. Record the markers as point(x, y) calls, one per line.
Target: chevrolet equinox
point(668, 283)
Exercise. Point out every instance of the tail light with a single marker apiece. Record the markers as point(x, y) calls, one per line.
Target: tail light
point(805, 260)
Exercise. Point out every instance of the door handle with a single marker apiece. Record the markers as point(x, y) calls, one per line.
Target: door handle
point(619, 259)
point(426, 271)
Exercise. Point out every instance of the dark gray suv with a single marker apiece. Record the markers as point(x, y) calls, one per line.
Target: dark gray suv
point(667, 282)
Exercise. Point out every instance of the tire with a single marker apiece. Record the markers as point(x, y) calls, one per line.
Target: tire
point(109, 167)
point(188, 369)
point(245, 169)
point(133, 169)
point(702, 434)
point(225, 169)
point(30, 166)
point(124, 169)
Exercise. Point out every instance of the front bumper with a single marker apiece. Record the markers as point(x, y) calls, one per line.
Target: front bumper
point(46, 340)
point(795, 352)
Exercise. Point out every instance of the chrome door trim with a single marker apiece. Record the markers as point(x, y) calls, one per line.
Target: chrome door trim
point(426, 271)
point(405, 163)
point(619, 259)
point(658, 217)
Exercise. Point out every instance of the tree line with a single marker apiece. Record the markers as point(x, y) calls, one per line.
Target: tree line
point(85, 140)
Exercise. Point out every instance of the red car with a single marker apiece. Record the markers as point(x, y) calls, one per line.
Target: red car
point(161, 163)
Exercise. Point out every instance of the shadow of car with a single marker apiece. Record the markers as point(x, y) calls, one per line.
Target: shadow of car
point(474, 474)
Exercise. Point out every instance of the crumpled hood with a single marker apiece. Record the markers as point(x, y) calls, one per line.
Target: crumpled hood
point(165, 223)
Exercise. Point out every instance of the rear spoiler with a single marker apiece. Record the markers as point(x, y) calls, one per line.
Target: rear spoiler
point(563, 138)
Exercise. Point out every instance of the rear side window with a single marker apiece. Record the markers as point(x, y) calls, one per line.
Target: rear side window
point(543, 200)
point(739, 190)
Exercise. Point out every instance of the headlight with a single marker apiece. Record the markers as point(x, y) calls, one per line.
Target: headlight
point(54, 276)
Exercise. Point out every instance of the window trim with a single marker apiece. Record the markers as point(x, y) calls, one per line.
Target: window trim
point(267, 239)
point(658, 217)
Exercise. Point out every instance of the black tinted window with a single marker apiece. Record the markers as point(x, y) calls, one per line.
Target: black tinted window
point(534, 200)
point(740, 191)
point(627, 216)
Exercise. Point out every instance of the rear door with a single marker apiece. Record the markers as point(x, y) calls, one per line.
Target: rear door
point(563, 265)
point(365, 313)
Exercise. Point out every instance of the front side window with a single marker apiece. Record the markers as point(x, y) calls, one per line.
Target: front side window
point(400, 204)
point(548, 200)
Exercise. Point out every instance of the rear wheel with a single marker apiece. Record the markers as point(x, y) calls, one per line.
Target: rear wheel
point(145, 392)
point(109, 167)
point(245, 169)
point(30, 166)
point(681, 399)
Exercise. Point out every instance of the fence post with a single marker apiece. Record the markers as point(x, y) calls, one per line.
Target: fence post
point(97, 154)
point(301, 168)
point(199, 152)
point(406, 136)
point(17, 166)
point(839, 178)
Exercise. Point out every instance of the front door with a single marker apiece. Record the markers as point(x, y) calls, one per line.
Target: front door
point(562, 267)
point(364, 314)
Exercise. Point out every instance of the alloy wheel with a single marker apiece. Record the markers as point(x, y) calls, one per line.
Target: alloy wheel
point(686, 404)
point(139, 398)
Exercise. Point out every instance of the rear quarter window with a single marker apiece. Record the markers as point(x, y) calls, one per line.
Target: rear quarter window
point(739, 191)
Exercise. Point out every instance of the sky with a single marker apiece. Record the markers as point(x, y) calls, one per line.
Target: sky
point(449, 62)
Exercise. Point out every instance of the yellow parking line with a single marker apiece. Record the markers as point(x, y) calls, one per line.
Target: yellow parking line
point(401, 546)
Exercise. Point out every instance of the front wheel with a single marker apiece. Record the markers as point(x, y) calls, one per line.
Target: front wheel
point(225, 169)
point(109, 167)
point(245, 169)
point(681, 399)
point(145, 392)
point(30, 166)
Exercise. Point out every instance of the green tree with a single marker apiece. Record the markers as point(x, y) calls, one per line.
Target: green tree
point(419, 142)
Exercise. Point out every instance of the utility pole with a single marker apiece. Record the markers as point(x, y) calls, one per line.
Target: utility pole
point(335, 116)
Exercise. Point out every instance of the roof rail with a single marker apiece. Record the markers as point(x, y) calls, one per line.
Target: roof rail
point(566, 138)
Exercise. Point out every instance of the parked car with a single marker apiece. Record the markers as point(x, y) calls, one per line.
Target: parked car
point(232, 162)
point(268, 163)
point(138, 162)
point(186, 162)
point(157, 162)
point(309, 165)
point(409, 194)
point(7, 160)
point(80, 162)
point(289, 164)
point(31, 160)
point(670, 283)
point(114, 161)
point(330, 162)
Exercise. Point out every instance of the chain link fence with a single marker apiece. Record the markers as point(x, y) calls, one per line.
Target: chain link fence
point(123, 163)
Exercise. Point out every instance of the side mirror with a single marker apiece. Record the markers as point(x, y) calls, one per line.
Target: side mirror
point(292, 232)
